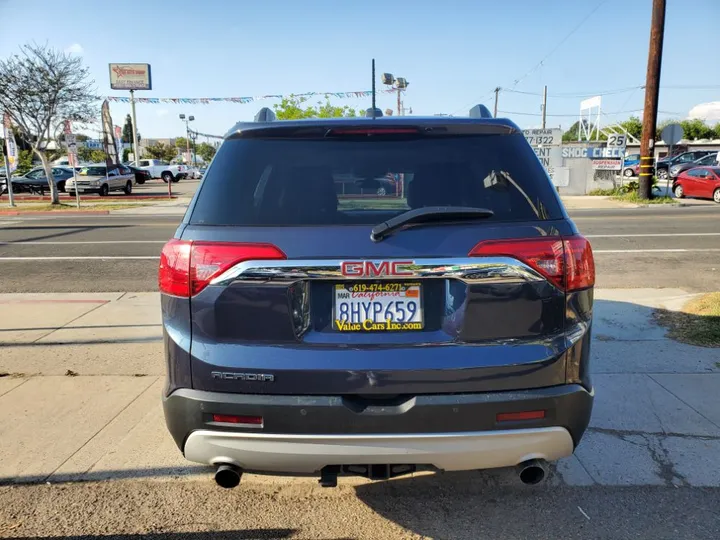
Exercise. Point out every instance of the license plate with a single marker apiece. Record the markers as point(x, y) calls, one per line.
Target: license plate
point(378, 307)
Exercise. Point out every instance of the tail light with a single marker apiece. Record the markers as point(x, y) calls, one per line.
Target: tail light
point(565, 262)
point(187, 267)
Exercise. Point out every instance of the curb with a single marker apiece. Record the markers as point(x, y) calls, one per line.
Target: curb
point(54, 213)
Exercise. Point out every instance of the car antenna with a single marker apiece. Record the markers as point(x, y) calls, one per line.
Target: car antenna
point(373, 89)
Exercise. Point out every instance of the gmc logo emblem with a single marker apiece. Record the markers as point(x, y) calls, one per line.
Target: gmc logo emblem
point(370, 269)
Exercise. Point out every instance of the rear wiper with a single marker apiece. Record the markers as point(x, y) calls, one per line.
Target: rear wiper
point(429, 214)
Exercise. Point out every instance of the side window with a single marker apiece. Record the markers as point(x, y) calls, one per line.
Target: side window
point(685, 158)
point(693, 173)
point(144, 163)
point(37, 173)
point(113, 172)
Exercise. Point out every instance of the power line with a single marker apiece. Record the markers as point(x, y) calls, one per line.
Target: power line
point(575, 115)
point(575, 29)
point(615, 91)
point(519, 79)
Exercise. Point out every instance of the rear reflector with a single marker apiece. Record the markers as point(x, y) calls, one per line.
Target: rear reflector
point(567, 263)
point(187, 267)
point(232, 419)
point(518, 416)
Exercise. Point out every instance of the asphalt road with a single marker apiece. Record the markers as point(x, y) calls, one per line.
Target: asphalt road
point(645, 247)
point(421, 507)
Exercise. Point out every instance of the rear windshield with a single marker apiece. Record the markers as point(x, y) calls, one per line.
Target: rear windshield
point(93, 171)
point(345, 182)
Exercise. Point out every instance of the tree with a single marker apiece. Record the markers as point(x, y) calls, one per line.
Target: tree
point(91, 156)
point(696, 129)
point(633, 126)
point(205, 151)
point(40, 88)
point(571, 135)
point(161, 151)
point(291, 108)
point(127, 136)
point(181, 144)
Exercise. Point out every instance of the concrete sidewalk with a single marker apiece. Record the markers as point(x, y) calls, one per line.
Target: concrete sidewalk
point(82, 375)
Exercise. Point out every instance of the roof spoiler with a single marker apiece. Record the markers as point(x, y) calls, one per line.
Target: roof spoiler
point(265, 115)
point(480, 111)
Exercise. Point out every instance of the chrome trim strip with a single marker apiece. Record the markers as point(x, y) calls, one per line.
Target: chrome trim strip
point(469, 270)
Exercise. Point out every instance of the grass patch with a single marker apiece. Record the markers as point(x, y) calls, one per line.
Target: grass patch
point(604, 192)
point(697, 324)
point(632, 197)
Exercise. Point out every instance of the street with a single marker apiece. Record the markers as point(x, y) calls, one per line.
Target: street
point(644, 247)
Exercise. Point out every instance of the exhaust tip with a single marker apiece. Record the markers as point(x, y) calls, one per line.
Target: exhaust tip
point(532, 472)
point(228, 476)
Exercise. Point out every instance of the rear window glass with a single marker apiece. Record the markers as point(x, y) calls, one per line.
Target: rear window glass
point(93, 171)
point(344, 182)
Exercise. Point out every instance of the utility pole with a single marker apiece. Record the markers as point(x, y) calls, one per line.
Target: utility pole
point(399, 104)
point(544, 107)
point(497, 91)
point(652, 92)
point(136, 150)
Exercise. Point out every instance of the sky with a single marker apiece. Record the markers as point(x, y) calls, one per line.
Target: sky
point(452, 52)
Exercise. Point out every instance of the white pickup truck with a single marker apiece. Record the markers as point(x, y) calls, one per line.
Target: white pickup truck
point(162, 169)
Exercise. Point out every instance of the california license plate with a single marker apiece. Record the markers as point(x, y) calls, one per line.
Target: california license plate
point(378, 307)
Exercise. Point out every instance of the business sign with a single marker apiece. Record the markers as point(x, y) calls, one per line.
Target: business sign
point(543, 137)
point(607, 164)
point(546, 145)
point(592, 152)
point(94, 144)
point(617, 140)
point(130, 77)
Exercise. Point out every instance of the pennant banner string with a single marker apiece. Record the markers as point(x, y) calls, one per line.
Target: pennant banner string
point(246, 99)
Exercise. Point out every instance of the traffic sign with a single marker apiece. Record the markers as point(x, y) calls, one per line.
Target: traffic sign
point(672, 134)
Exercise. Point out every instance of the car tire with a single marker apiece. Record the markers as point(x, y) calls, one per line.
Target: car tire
point(167, 177)
point(71, 193)
point(104, 190)
point(61, 187)
point(128, 188)
point(628, 173)
point(679, 192)
point(141, 181)
point(662, 174)
point(716, 195)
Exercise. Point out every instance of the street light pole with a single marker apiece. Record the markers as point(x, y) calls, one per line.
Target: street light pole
point(136, 150)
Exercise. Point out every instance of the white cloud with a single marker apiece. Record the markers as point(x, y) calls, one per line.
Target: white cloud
point(162, 112)
point(710, 112)
point(75, 48)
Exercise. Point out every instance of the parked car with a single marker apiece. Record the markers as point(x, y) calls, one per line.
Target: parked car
point(708, 160)
point(446, 329)
point(141, 175)
point(162, 169)
point(700, 182)
point(98, 178)
point(35, 180)
point(663, 165)
point(631, 165)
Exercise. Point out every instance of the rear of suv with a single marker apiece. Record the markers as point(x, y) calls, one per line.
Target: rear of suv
point(316, 327)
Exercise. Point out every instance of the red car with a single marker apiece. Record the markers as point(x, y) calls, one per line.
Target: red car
point(701, 182)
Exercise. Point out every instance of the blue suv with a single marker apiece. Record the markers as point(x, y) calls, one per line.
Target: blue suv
point(314, 328)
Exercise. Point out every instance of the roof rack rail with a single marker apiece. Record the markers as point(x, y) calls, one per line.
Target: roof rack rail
point(480, 111)
point(265, 115)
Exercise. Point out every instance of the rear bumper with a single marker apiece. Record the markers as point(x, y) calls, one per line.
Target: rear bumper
point(302, 434)
point(307, 454)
